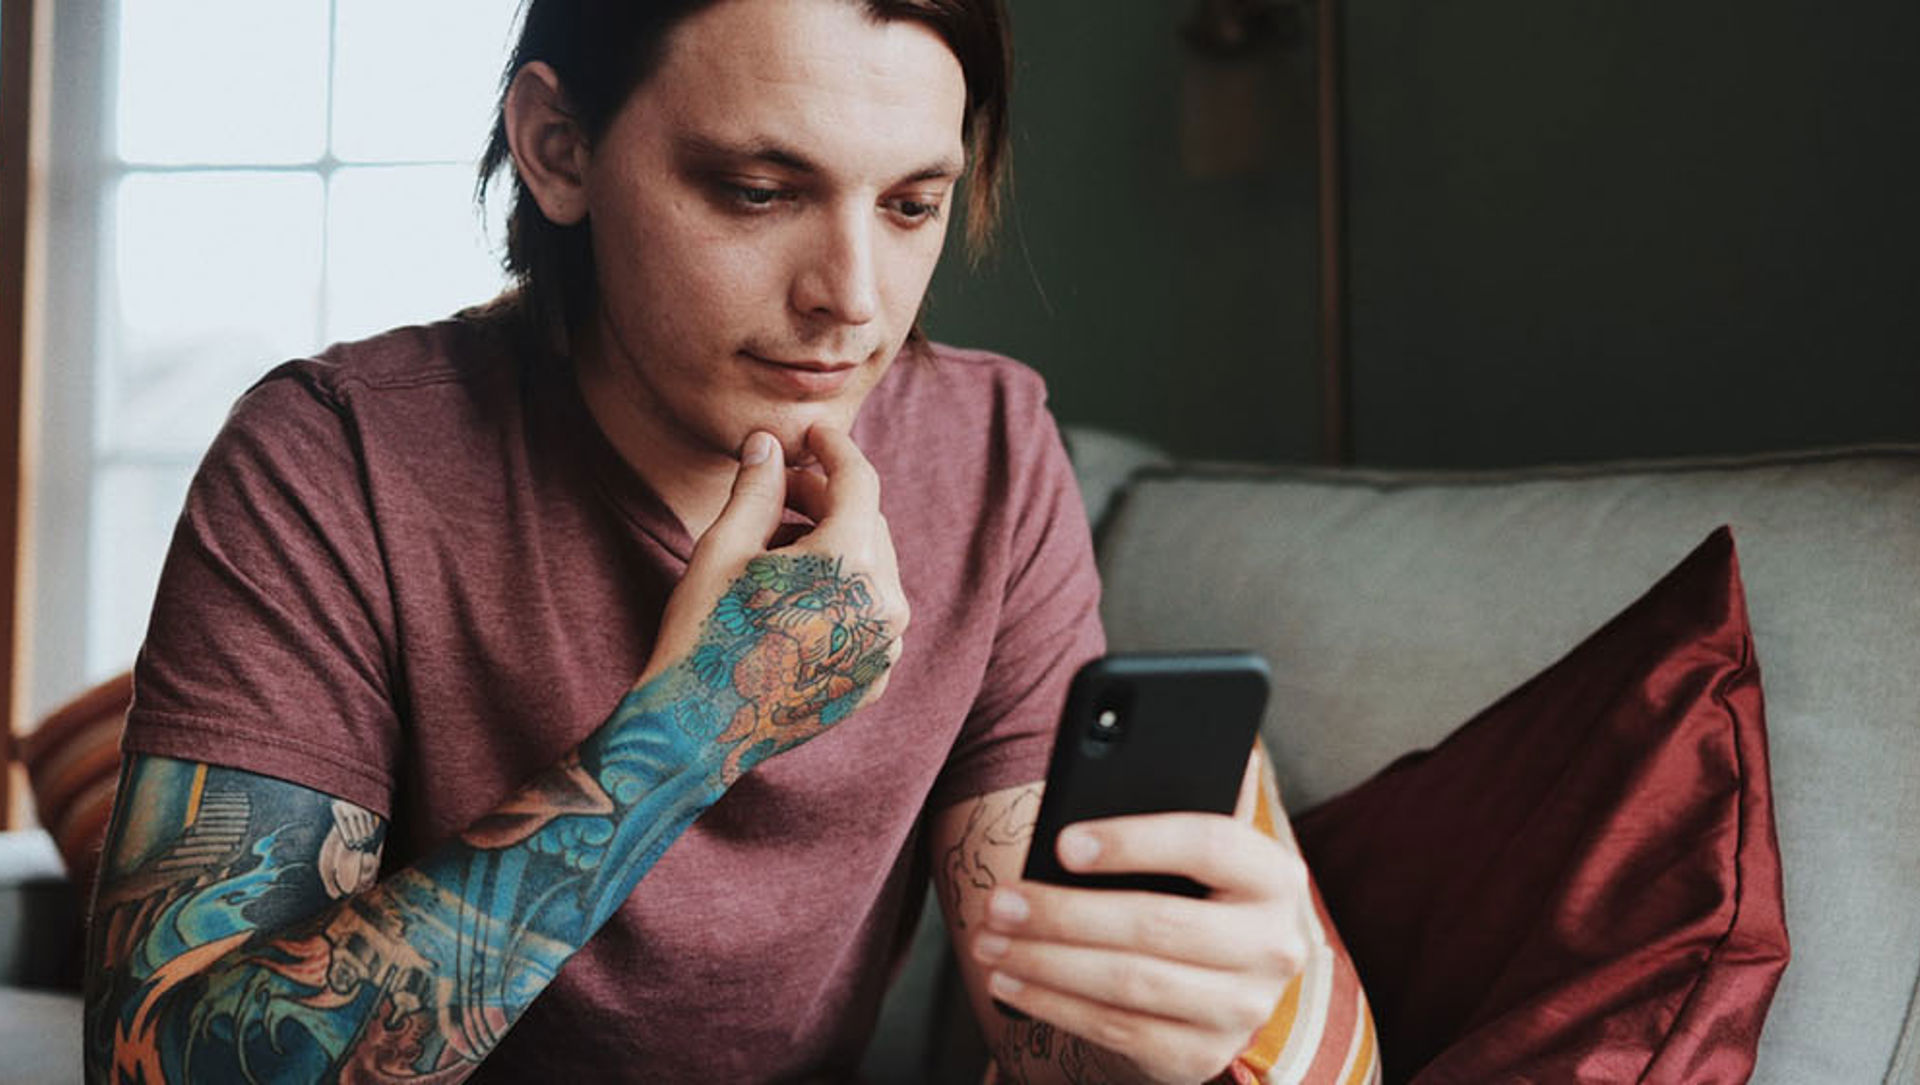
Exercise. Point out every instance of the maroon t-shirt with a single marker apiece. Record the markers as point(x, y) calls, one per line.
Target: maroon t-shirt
point(412, 572)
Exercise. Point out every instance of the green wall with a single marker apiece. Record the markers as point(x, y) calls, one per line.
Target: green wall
point(1629, 229)
point(1578, 231)
point(1171, 306)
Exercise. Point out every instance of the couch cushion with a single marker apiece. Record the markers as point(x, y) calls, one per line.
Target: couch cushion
point(1581, 883)
point(39, 916)
point(1395, 605)
point(40, 1035)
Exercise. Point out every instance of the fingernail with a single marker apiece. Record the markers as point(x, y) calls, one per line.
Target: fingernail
point(1003, 985)
point(759, 447)
point(1008, 907)
point(1078, 848)
point(990, 947)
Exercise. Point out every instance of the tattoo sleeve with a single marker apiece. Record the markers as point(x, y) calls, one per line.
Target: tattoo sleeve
point(220, 951)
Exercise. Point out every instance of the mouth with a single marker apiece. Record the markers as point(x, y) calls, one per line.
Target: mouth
point(808, 378)
point(812, 365)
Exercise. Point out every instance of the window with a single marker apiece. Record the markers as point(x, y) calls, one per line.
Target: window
point(237, 182)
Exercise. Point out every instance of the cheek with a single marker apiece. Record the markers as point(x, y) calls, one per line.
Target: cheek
point(908, 270)
point(679, 288)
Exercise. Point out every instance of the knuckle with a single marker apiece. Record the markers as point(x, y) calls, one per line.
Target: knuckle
point(1297, 956)
point(1252, 1012)
point(1215, 843)
point(760, 486)
point(1282, 955)
point(1291, 872)
point(1202, 1061)
point(1158, 929)
point(1136, 988)
point(1119, 1033)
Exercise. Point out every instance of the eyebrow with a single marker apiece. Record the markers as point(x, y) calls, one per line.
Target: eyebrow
point(776, 154)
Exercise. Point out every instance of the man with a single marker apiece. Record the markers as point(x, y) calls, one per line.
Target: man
point(374, 799)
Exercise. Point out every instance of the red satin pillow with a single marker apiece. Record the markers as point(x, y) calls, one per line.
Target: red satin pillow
point(1582, 883)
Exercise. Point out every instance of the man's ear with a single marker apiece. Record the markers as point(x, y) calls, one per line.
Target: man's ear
point(550, 152)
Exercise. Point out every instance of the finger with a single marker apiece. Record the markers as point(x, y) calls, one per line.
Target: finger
point(853, 486)
point(879, 686)
point(1232, 858)
point(807, 492)
point(1153, 986)
point(753, 508)
point(887, 570)
point(889, 558)
point(1200, 932)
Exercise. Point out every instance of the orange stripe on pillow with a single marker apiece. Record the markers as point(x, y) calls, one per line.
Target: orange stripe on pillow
point(82, 833)
point(1322, 1031)
point(1272, 1037)
point(1365, 1067)
point(83, 765)
point(89, 807)
point(1337, 1039)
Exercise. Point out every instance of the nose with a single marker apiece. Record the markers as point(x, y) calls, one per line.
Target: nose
point(836, 279)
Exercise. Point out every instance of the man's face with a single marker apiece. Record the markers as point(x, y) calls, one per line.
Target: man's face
point(767, 210)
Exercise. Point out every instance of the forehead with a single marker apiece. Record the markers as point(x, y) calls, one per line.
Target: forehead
point(820, 74)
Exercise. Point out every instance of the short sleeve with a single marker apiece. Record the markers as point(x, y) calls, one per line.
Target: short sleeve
point(270, 648)
point(1049, 619)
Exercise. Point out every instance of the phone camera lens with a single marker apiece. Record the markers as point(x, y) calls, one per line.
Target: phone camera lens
point(1106, 724)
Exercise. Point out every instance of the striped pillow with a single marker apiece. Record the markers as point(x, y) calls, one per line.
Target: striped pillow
point(73, 763)
point(1322, 1031)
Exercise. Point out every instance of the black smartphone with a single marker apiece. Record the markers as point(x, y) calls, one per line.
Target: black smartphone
point(1148, 733)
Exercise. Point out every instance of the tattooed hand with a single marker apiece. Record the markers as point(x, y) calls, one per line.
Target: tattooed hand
point(802, 635)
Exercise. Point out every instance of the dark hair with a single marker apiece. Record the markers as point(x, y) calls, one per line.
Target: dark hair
point(603, 50)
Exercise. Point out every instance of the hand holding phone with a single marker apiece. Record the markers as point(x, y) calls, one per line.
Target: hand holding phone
point(1172, 984)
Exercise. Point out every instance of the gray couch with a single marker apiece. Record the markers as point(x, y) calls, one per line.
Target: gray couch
point(39, 963)
point(1396, 605)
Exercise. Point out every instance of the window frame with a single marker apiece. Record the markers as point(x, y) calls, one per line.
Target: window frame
point(81, 310)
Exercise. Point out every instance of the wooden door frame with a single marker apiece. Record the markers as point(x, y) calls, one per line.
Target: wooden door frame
point(25, 35)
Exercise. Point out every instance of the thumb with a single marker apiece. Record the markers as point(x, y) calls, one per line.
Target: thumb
point(752, 511)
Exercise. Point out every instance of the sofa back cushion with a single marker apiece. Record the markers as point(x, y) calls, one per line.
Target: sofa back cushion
point(1394, 606)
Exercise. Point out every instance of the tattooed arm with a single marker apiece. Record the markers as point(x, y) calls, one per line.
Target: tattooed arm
point(1171, 988)
point(981, 844)
point(238, 930)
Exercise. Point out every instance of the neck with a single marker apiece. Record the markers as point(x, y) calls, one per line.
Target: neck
point(692, 480)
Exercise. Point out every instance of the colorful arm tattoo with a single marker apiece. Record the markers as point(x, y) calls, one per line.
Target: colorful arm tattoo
point(217, 955)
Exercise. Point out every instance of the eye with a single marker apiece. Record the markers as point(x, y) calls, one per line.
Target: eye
point(753, 198)
point(915, 209)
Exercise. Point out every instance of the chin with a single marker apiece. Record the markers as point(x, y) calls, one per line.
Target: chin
point(789, 425)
